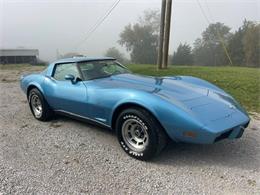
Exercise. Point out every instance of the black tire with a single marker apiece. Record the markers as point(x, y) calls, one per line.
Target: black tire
point(156, 136)
point(46, 112)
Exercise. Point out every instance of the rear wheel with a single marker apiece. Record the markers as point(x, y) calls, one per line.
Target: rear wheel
point(38, 105)
point(139, 134)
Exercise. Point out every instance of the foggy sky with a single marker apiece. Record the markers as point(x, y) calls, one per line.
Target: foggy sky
point(51, 25)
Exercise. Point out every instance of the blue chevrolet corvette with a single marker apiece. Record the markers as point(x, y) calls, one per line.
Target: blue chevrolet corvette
point(144, 111)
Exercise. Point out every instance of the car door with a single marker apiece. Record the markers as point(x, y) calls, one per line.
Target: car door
point(66, 95)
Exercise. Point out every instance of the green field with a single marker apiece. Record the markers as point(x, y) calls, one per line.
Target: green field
point(242, 83)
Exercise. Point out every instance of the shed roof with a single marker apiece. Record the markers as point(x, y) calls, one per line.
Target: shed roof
point(19, 52)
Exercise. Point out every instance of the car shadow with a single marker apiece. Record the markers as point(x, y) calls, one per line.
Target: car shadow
point(94, 127)
point(240, 153)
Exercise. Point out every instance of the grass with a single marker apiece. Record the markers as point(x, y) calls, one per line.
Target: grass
point(241, 82)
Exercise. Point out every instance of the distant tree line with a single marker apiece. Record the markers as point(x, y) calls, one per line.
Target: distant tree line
point(216, 46)
point(115, 53)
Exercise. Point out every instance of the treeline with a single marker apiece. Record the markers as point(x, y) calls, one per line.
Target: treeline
point(217, 45)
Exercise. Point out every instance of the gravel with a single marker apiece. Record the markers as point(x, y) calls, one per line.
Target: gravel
point(65, 156)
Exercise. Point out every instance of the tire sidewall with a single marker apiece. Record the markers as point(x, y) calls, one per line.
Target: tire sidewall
point(150, 149)
point(38, 93)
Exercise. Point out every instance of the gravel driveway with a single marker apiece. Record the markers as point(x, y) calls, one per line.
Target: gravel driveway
point(70, 157)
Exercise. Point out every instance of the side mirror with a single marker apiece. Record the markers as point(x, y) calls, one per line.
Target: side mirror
point(70, 77)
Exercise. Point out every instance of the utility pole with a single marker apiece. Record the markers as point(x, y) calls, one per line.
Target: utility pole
point(167, 33)
point(161, 41)
point(164, 38)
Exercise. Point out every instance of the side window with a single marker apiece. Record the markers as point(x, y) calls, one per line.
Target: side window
point(86, 66)
point(109, 69)
point(62, 70)
point(113, 69)
point(87, 69)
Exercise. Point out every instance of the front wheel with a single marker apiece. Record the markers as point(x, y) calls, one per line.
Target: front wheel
point(139, 134)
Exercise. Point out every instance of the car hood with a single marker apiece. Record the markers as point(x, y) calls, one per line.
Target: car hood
point(169, 88)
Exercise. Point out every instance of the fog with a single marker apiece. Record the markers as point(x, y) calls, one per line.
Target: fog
point(62, 25)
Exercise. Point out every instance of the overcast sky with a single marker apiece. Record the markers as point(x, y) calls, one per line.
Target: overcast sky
point(51, 25)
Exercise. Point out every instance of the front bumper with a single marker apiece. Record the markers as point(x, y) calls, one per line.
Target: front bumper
point(207, 137)
point(233, 133)
point(231, 127)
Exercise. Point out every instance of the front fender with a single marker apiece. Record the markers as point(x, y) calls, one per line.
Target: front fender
point(201, 82)
point(137, 98)
point(172, 117)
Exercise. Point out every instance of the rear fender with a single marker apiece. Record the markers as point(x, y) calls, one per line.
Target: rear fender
point(32, 81)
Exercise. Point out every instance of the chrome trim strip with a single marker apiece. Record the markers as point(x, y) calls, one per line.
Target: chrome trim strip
point(101, 119)
point(83, 117)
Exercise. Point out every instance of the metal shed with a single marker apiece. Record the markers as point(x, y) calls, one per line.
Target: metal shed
point(18, 56)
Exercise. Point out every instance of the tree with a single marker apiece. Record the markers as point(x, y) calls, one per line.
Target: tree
point(236, 44)
point(236, 47)
point(209, 50)
point(244, 44)
point(115, 53)
point(183, 55)
point(251, 43)
point(151, 18)
point(200, 53)
point(141, 39)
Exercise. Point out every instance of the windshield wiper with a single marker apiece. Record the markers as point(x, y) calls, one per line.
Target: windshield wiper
point(100, 77)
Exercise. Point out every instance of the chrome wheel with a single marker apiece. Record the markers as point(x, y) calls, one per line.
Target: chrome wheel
point(135, 134)
point(36, 105)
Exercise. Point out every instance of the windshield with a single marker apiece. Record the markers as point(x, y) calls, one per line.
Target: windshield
point(99, 69)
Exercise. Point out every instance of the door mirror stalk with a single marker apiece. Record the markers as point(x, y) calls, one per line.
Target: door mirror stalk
point(70, 77)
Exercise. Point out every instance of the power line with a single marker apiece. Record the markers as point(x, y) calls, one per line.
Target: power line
point(99, 22)
point(203, 12)
point(211, 16)
point(218, 33)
